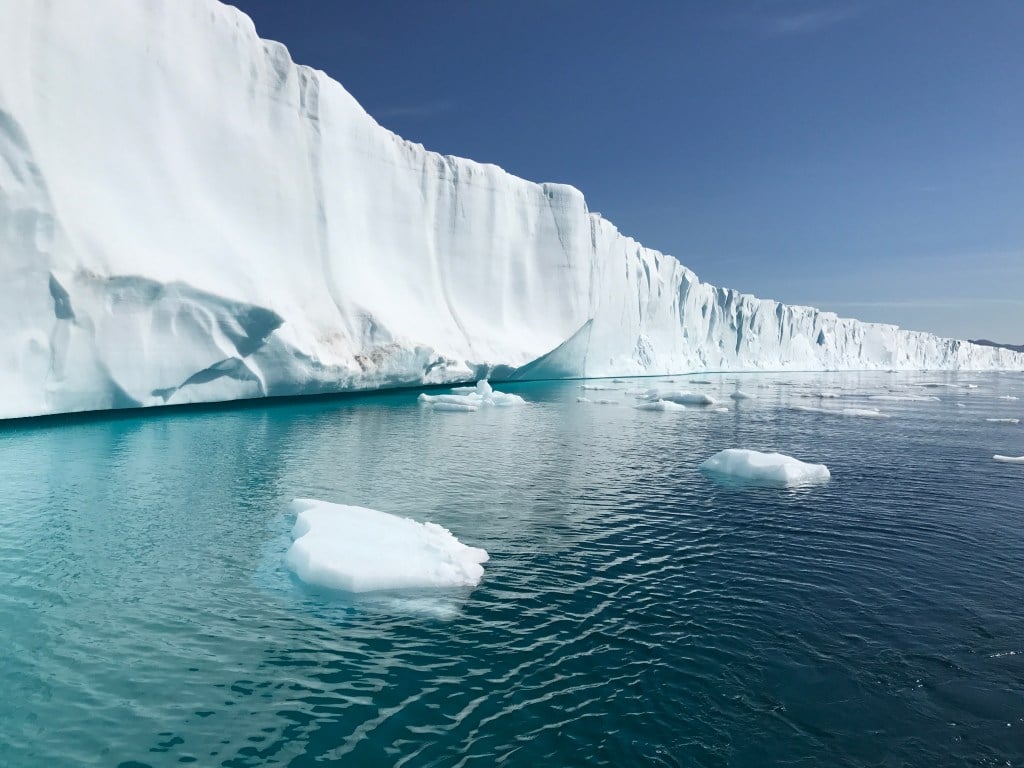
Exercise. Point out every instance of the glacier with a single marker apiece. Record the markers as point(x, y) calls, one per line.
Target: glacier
point(186, 215)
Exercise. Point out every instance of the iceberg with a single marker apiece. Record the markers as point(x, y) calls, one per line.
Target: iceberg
point(193, 217)
point(768, 468)
point(356, 549)
point(470, 398)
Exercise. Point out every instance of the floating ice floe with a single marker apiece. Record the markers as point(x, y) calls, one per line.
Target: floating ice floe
point(597, 387)
point(906, 398)
point(1007, 397)
point(660, 405)
point(826, 395)
point(1009, 459)
point(1003, 421)
point(739, 394)
point(864, 413)
point(689, 398)
point(470, 398)
point(773, 468)
point(960, 405)
point(598, 401)
point(719, 409)
point(356, 549)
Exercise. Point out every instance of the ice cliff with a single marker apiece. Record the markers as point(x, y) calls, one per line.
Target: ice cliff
point(187, 215)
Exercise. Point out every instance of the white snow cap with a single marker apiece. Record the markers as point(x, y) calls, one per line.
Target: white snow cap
point(776, 468)
point(356, 549)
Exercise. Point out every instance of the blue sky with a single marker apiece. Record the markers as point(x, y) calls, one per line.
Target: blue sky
point(865, 156)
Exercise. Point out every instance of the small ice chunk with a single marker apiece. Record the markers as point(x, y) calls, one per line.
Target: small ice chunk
point(1007, 397)
point(598, 401)
point(719, 409)
point(470, 398)
point(1003, 421)
point(866, 413)
point(827, 395)
point(690, 398)
point(960, 405)
point(362, 550)
point(597, 387)
point(661, 405)
point(739, 394)
point(774, 468)
point(1009, 459)
point(648, 394)
point(906, 398)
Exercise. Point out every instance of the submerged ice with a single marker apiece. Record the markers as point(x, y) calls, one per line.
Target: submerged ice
point(356, 549)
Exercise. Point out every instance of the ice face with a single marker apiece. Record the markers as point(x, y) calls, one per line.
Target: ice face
point(356, 549)
point(260, 234)
point(769, 468)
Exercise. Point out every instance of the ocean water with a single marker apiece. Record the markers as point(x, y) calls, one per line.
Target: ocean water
point(634, 612)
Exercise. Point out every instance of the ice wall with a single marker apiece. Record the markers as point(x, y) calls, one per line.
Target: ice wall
point(186, 215)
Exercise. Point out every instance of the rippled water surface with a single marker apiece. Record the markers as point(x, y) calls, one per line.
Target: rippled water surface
point(634, 612)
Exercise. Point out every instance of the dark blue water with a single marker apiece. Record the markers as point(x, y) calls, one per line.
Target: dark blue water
point(634, 612)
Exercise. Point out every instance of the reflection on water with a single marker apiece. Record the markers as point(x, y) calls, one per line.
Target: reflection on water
point(633, 610)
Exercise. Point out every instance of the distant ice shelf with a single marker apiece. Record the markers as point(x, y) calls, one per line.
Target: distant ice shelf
point(192, 217)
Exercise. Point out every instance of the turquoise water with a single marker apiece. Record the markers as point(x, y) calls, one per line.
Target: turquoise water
point(634, 612)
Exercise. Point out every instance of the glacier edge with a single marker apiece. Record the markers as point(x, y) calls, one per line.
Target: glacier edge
point(186, 215)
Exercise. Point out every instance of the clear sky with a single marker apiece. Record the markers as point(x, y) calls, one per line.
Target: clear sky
point(864, 156)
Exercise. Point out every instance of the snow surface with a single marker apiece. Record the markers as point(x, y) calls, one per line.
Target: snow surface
point(362, 550)
point(186, 215)
point(775, 468)
point(1009, 459)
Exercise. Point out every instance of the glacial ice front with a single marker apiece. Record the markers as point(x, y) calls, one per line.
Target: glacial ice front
point(356, 549)
point(191, 216)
